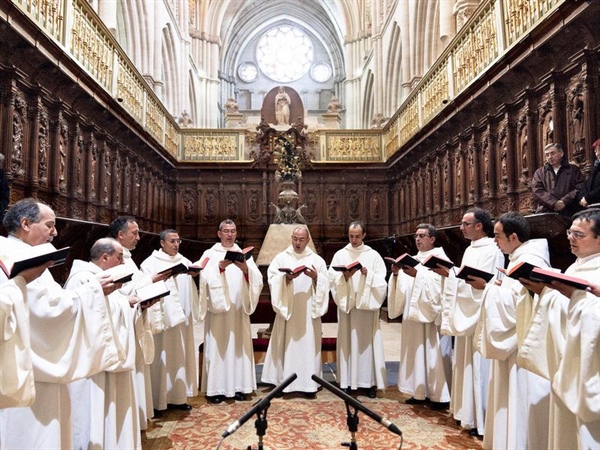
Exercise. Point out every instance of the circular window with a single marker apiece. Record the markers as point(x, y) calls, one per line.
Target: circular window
point(284, 53)
point(247, 72)
point(321, 72)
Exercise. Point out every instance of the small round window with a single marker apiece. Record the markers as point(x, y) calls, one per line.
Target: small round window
point(320, 72)
point(247, 72)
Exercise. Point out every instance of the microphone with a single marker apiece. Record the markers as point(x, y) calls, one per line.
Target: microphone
point(259, 406)
point(358, 405)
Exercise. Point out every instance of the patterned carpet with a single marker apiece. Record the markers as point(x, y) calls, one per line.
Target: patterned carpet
point(295, 422)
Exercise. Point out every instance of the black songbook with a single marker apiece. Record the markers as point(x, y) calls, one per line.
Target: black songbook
point(33, 257)
point(465, 271)
point(432, 261)
point(242, 256)
point(403, 260)
point(152, 292)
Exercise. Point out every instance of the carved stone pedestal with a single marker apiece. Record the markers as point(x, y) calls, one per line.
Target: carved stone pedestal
point(332, 120)
point(233, 120)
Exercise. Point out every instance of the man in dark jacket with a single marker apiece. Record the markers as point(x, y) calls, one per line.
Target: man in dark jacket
point(590, 194)
point(556, 184)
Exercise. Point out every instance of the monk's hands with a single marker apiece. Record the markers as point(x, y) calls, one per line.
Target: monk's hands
point(34, 272)
point(441, 270)
point(410, 271)
point(476, 282)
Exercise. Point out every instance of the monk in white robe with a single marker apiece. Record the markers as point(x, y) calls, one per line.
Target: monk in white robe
point(562, 344)
point(174, 371)
point(127, 232)
point(425, 356)
point(104, 410)
point(229, 293)
point(518, 400)
point(16, 370)
point(71, 338)
point(300, 300)
point(359, 295)
point(460, 314)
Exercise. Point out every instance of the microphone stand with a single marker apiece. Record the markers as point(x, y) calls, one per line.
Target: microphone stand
point(261, 426)
point(260, 409)
point(352, 421)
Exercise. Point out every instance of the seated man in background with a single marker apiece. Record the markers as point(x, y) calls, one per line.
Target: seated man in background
point(555, 186)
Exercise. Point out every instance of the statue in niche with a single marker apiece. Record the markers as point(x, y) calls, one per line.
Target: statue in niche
point(232, 206)
point(332, 207)
point(334, 105)
point(17, 156)
point(524, 168)
point(188, 204)
point(577, 119)
point(458, 184)
point(486, 167)
point(185, 120)
point(282, 107)
point(107, 177)
point(231, 106)
point(210, 205)
point(43, 150)
point(253, 206)
point(311, 202)
point(62, 157)
point(375, 207)
point(353, 204)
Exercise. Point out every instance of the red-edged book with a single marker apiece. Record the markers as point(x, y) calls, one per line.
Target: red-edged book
point(242, 256)
point(403, 260)
point(355, 265)
point(547, 276)
point(465, 271)
point(521, 270)
point(432, 261)
point(293, 271)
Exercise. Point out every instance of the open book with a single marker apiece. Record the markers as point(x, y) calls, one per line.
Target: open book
point(293, 271)
point(33, 257)
point(118, 274)
point(521, 270)
point(403, 260)
point(242, 256)
point(355, 265)
point(432, 261)
point(152, 292)
point(182, 268)
point(465, 271)
point(549, 275)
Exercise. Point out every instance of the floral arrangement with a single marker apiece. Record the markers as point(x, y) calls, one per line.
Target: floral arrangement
point(288, 161)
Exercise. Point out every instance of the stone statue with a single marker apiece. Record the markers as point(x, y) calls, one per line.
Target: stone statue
point(185, 120)
point(378, 121)
point(282, 107)
point(334, 105)
point(231, 106)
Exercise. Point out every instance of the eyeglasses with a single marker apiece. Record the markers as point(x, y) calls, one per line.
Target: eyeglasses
point(466, 224)
point(420, 235)
point(229, 231)
point(175, 241)
point(575, 234)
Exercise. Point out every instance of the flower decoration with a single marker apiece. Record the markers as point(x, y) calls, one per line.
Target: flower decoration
point(288, 161)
